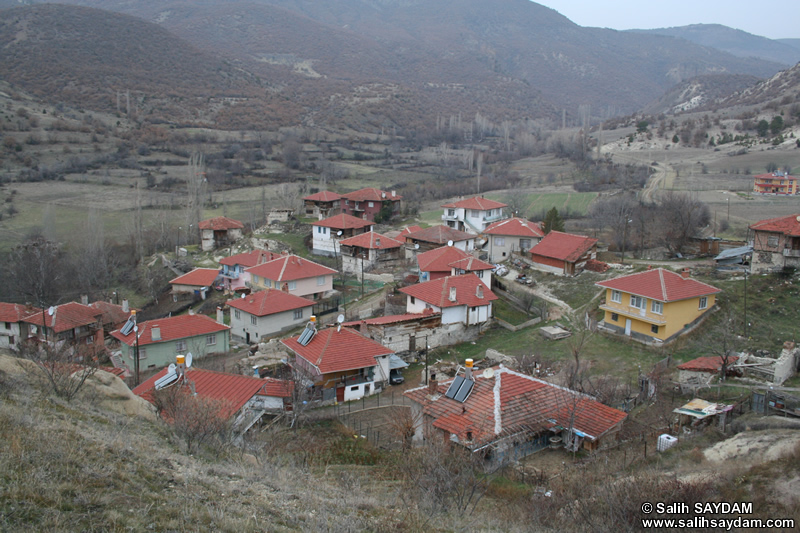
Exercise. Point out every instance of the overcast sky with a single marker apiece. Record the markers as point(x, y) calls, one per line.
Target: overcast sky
point(775, 19)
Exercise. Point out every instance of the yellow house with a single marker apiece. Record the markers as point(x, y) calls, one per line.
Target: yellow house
point(655, 305)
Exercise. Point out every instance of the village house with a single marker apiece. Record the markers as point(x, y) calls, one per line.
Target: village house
point(656, 305)
point(234, 267)
point(12, 327)
point(242, 399)
point(267, 312)
point(218, 232)
point(370, 250)
point(505, 415)
point(421, 241)
point(72, 322)
point(778, 183)
point(327, 233)
point(322, 205)
point(472, 215)
point(563, 254)
point(293, 274)
point(511, 235)
point(775, 243)
point(451, 261)
point(371, 204)
point(460, 299)
point(410, 332)
point(160, 340)
point(343, 364)
point(194, 284)
point(112, 316)
point(703, 370)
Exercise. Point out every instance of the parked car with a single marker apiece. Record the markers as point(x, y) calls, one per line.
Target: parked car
point(395, 377)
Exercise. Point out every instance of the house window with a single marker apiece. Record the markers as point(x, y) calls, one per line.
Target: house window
point(237, 314)
point(657, 307)
point(180, 346)
point(320, 281)
point(8, 325)
point(772, 241)
point(142, 353)
point(474, 213)
point(616, 296)
point(451, 212)
point(525, 244)
point(354, 389)
point(211, 340)
point(499, 241)
point(479, 273)
point(637, 302)
point(298, 314)
point(703, 302)
point(372, 204)
point(412, 300)
point(254, 320)
point(474, 309)
point(614, 317)
point(654, 329)
point(292, 285)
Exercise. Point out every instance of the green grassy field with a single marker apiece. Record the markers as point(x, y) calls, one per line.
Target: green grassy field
point(573, 202)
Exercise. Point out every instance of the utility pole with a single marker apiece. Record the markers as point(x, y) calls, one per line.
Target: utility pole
point(135, 349)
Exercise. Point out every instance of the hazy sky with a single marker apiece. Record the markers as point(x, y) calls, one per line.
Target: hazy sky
point(775, 19)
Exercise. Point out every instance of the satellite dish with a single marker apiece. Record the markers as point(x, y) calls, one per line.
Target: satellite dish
point(449, 243)
point(189, 360)
point(416, 246)
point(136, 329)
point(488, 373)
point(51, 310)
point(340, 319)
point(339, 233)
point(243, 295)
point(171, 368)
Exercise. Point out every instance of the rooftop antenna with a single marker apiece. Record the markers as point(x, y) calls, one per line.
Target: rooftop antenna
point(339, 319)
point(449, 243)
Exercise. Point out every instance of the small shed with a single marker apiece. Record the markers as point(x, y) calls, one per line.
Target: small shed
point(554, 333)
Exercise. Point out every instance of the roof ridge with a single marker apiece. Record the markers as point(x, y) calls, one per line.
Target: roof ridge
point(322, 351)
point(283, 268)
point(663, 285)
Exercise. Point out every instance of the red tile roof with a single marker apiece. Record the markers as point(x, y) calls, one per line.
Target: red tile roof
point(371, 194)
point(476, 202)
point(437, 292)
point(199, 277)
point(409, 229)
point(171, 329)
point(371, 240)
point(220, 223)
point(516, 227)
point(390, 319)
point(16, 312)
point(323, 196)
point(509, 403)
point(66, 316)
point(471, 264)
point(233, 389)
point(786, 225)
point(659, 284)
point(563, 246)
point(439, 235)
point(269, 302)
point(289, 268)
point(440, 259)
point(111, 313)
point(710, 364)
point(249, 259)
point(343, 221)
point(338, 351)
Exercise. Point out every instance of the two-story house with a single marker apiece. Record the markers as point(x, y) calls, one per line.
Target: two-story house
point(656, 305)
point(775, 243)
point(778, 182)
point(451, 261)
point(423, 240)
point(219, 231)
point(71, 322)
point(267, 312)
point(370, 202)
point(460, 299)
point(370, 250)
point(322, 205)
point(293, 274)
point(328, 233)
point(234, 268)
point(511, 235)
point(12, 327)
point(472, 215)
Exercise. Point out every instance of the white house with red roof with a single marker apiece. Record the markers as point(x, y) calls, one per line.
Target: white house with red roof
point(159, 341)
point(506, 415)
point(656, 305)
point(423, 240)
point(563, 254)
point(369, 203)
point(472, 215)
point(775, 243)
point(244, 399)
point(12, 327)
point(293, 274)
point(267, 312)
point(71, 322)
point(195, 283)
point(511, 235)
point(370, 250)
point(219, 231)
point(234, 267)
point(322, 205)
point(327, 233)
point(460, 299)
point(451, 261)
point(342, 363)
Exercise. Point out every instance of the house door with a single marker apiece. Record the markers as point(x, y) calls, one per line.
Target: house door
point(628, 327)
point(412, 343)
point(340, 394)
point(247, 337)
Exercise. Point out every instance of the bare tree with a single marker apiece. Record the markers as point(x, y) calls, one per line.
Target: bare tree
point(615, 213)
point(680, 218)
point(63, 367)
point(196, 185)
point(194, 419)
point(38, 269)
point(582, 327)
point(723, 341)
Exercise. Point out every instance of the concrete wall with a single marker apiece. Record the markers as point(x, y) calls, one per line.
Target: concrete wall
point(266, 325)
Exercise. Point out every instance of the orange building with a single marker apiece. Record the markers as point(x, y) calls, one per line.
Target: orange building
point(775, 183)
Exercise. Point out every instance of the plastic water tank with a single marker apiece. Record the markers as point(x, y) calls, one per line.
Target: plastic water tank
point(665, 442)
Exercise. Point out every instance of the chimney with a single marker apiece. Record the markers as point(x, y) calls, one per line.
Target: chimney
point(685, 273)
point(362, 328)
point(220, 315)
point(468, 369)
point(125, 306)
point(255, 372)
point(433, 385)
point(649, 267)
point(155, 333)
point(452, 294)
point(479, 291)
point(191, 312)
point(85, 299)
point(394, 193)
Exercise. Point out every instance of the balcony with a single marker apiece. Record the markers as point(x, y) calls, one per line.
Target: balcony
point(788, 252)
point(449, 217)
point(638, 314)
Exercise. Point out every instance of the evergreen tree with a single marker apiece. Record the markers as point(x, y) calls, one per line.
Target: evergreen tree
point(552, 221)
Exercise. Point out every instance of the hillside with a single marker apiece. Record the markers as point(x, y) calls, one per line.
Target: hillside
point(699, 92)
point(736, 42)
